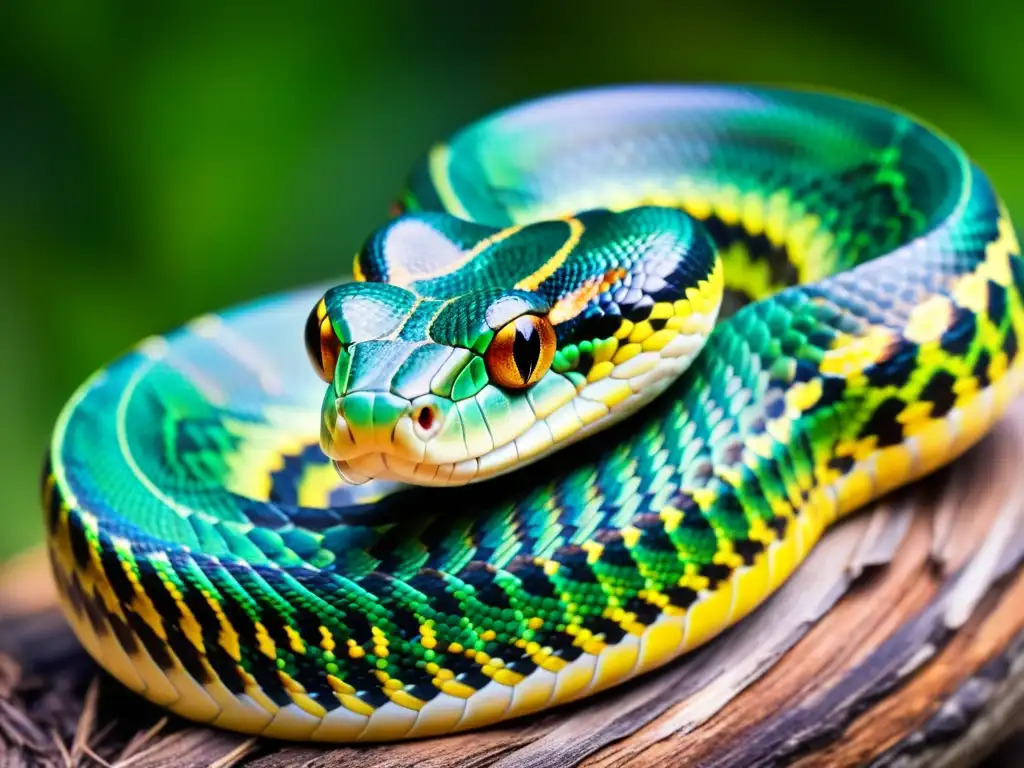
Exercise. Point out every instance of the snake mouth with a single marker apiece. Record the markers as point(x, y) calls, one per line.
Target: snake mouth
point(428, 441)
point(434, 441)
point(378, 435)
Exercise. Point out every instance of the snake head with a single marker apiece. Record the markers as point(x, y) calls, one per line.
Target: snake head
point(434, 389)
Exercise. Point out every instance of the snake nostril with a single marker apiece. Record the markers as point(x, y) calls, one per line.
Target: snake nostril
point(425, 417)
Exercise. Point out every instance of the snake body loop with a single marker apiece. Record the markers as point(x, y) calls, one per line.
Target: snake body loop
point(649, 342)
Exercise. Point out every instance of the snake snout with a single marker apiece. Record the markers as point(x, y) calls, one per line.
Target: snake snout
point(368, 432)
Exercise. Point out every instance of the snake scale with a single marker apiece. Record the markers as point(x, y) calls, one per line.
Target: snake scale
point(647, 342)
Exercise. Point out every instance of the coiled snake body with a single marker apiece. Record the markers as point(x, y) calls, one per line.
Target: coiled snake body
point(762, 308)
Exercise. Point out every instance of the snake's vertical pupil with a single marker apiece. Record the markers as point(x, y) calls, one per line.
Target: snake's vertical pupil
point(521, 352)
point(526, 348)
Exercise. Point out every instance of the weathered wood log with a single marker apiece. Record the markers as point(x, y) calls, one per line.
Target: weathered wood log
point(900, 642)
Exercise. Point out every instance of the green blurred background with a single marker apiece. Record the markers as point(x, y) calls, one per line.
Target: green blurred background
point(156, 164)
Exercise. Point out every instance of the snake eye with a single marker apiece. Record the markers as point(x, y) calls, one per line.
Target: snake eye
point(322, 343)
point(521, 352)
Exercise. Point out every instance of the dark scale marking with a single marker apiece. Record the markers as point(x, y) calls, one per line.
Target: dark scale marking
point(113, 569)
point(407, 623)
point(833, 389)
point(54, 502)
point(841, 464)
point(305, 620)
point(466, 670)
point(896, 369)
point(573, 561)
point(368, 689)
point(203, 611)
point(481, 576)
point(263, 669)
point(535, 582)
point(980, 369)
point(759, 247)
point(615, 552)
point(187, 654)
point(652, 533)
point(1010, 345)
point(359, 628)
point(156, 647)
point(123, 634)
point(645, 612)
point(314, 679)
point(284, 482)
point(95, 613)
point(694, 522)
point(939, 391)
point(593, 325)
point(681, 597)
point(957, 340)
point(167, 607)
point(265, 515)
point(805, 371)
point(996, 302)
point(423, 690)
point(154, 588)
point(361, 675)
point(748, 549)
point(434, 587)
point(520, 663)
point(715, 573)
point(731, 453)
point(639, 309)
point(606, 628)
point(774, 403)
point(275, 622)
point(313, 519)
point(586, 361)
point(235, 614)
point(821, 338)
point(388, 549)
point(79, 544)
point(561, 645)
point(1017, 272)
point(219, 659)
point(64, 585)
point(318, 689)
point(883, 423)
point(729, 514)
point(779, 524)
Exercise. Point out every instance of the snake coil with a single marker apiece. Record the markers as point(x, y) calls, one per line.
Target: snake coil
point(762, 309)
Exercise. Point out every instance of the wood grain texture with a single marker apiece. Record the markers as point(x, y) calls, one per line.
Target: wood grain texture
point(900, 642)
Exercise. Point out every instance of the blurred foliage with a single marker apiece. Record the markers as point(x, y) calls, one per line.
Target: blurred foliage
point(157, 163)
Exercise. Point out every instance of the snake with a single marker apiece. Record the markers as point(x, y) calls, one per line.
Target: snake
point(611, 367)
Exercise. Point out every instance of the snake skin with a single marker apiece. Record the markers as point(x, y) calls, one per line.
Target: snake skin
point(210, 558)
